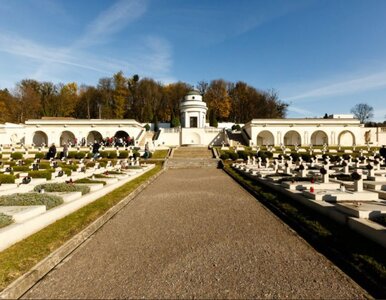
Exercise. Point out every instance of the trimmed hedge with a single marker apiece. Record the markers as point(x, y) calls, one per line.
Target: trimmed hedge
point(76, 154)
point(88, 180)
point(123, 154)
point(21, 168)
point(40, 174)
point(17, 155)
point(62, 187)
point(108, 154)
point(27, 199)
point(40, 155)
point(7, 178)
point(5, 220)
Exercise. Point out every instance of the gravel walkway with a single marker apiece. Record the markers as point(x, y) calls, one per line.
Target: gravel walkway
point(195, 234)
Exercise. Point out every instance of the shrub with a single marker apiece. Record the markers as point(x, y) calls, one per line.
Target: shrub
point(90, 164)
point(108, 154)
point(295, 156)
point(17, 155)
point(123, 154)
point(346, 156)
point(5, 220)
point(7, 178)
point(136, 154)
point(233, 155)
point(67, 171)
point(88, 180)
point(71, 154)
point(104, 154)
point(21, 168)
point(147, 127)
point(306, 157)
point(243, 155)
point(80, 155)
point(62, 187)
point(27, 199)
point(113, 154)
point(236, 127)
point(224, 156)
point(44, 165)
point(40, 174)
point(115, 173)
point(356, 176)
point(40, 155)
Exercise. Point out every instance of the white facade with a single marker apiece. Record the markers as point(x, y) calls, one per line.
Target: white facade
point(60, 131)
point(331, 131)
point(336, 130)
point(193, 111)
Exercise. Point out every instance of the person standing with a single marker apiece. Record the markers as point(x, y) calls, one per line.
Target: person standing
point(95, 150)
point(51, 152)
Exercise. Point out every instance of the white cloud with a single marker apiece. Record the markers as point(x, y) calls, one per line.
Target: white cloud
point(300, 111)
point(150, 56)
point(361, 83)
point(114, 19)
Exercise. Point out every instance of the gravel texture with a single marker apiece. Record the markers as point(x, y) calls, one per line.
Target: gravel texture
point(195, 234)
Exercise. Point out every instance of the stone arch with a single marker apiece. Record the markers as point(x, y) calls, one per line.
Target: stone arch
point(265, 137)
point(39, 138)
point(94, 136)
point(192, 138)
point(67, 137)
point(121, 134)
point(292, 138)
point(346, 138)
point(319, 138)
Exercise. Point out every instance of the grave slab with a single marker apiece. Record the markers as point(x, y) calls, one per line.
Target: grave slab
point(22, 213)
point(364, 210)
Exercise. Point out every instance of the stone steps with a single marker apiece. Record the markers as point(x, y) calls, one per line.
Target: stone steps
point(192, 152)
point(192, 163)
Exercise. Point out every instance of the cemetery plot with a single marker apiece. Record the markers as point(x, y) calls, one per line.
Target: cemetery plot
point(36, 192)
point(353, 183)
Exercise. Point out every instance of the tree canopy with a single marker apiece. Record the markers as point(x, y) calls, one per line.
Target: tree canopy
point(363, 112)
point(143, 99)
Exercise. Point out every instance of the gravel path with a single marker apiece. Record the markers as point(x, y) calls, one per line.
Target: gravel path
point(195, 234)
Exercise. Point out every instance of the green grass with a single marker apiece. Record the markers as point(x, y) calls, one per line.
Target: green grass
point(159, 154)
point(5, 220)
point(362, 259)
point(21, 257)
point(27, 199)
point(62, 187)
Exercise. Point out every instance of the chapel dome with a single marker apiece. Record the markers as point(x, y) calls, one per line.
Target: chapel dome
point(193, 96)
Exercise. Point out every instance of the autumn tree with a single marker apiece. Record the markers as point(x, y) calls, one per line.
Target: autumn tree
point(105, 103)
point(29, 104)
point(88, 104)
point(150, 96)
point(218, 100)
point(172, 95)
point(8, 107)
point(119, 95)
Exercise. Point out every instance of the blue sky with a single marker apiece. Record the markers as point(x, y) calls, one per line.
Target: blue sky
point(320, 56)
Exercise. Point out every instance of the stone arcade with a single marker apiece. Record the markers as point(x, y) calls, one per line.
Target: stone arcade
point(337, 130)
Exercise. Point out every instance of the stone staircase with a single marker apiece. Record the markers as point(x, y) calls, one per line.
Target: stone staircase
point(236, 138)
point(192, 157)
point(148, 137)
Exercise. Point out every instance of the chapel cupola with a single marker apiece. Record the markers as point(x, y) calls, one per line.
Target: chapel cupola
point(193, 110)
